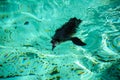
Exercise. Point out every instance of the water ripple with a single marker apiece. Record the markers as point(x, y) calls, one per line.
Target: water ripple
point(8, 7)
point(93, 41)
point(113, 41)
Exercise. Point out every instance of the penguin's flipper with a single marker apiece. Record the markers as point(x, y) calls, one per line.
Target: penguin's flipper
point(77, 41)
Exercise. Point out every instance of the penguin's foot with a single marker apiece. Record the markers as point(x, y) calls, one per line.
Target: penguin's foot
point(77, 41)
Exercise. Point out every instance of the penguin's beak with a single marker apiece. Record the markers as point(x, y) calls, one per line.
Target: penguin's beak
point(53, 44)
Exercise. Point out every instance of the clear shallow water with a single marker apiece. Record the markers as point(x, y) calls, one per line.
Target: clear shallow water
point(26, 28)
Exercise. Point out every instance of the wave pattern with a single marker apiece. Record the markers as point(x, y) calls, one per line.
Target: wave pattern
point(113, 41)
point(26, 28)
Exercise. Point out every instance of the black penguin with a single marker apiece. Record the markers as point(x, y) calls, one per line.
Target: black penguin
point(65, 33)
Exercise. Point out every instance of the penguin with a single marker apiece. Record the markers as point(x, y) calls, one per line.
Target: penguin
point(66, 32)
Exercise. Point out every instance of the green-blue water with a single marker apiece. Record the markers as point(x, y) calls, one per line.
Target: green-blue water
point(26, 28)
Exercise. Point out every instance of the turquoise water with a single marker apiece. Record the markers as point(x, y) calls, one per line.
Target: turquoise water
point(26, 28)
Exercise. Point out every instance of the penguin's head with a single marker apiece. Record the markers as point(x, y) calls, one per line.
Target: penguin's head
point(54, 43)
